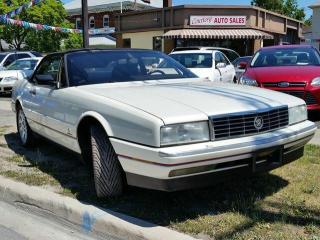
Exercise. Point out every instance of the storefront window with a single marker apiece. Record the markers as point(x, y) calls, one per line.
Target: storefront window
point(106, 21)
point(78, 23)
point(91, 22)
point(157, 44)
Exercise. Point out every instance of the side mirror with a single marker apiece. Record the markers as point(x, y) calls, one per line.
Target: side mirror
point(221, 65)
point(242, 65)
point(45, 79)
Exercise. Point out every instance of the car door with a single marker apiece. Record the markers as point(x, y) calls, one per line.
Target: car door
point(55, 103)
point(229, 71)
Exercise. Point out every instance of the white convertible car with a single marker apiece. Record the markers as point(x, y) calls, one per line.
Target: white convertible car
point(156, 127)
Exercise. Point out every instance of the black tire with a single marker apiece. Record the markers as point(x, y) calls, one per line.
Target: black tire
point(26, 135)
point(107, 171)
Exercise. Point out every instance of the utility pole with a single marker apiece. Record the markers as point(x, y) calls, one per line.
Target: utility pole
point(85, 23)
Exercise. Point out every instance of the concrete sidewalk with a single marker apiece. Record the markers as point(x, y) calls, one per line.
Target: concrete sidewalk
point(90, 218)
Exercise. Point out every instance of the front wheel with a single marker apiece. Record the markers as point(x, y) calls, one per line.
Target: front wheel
point(24, 130)
point(107, 170)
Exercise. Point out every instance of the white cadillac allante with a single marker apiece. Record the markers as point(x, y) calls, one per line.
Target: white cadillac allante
point(143, 119)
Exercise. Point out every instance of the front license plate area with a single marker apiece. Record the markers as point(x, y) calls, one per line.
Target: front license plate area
point(267, 159)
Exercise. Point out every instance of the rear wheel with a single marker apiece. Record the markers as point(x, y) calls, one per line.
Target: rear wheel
point(106, 167)
point(25, 133)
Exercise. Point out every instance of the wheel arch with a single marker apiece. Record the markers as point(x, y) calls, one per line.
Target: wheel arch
point(83, 130)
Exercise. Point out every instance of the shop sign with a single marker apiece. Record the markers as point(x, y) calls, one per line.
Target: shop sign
point(218, 20)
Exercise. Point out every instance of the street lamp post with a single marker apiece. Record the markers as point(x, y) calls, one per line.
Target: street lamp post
point(85, 23)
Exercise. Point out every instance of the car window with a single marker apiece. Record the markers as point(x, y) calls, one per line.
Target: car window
point(22, 55)
point(50, 66)
point(97, 67)
point(217, 58)
point(22, 64)
point(36, 54)
point(194, 60)
point(224, 59)
point(300, 56)
point(2, 56)
point(10, 59)
point(230, 55)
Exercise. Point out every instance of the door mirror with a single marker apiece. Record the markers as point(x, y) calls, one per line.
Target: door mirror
point(45, 79)
point(242, 65)
point(221, 65)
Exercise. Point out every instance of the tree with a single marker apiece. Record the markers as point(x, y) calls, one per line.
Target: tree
point(308, 22)
point(272, 5)
point(49, 12)
point(289, 8)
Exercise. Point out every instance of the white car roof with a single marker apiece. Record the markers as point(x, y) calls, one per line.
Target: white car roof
point(30, 58)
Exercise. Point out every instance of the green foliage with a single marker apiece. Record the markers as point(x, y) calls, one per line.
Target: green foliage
point(289, 8)
point(49, 12)
point(74, 41)
point(308, 22)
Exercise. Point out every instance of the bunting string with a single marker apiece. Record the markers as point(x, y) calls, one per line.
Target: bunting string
point(18, 10)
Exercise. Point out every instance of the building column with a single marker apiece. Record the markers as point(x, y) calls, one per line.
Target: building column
point(257, 44)
point(119, 40)
point(168, 45)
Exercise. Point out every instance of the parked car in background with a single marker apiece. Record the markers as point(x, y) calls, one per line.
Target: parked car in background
point(157, 126)
point(6, 58)
point(20, 69)
point(209, 64)
point(291, 69)
point(240, 64)
point(229, 53)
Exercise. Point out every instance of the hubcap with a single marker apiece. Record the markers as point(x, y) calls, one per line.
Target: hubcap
point(22, 127)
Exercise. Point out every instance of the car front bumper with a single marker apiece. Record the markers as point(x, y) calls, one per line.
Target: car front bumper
point(195, 165)
point(6, 87)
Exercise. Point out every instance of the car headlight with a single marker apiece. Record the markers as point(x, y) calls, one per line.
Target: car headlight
point(248, 81)
point(316, 82)
point(184, 133)
point(298, 114)
point(9, 79)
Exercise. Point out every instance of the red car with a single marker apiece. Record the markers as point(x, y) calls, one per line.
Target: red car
point(291, 69)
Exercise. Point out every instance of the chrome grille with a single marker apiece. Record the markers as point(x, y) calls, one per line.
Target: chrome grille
point(310, 99)
point(291, 84)
point(243, 124)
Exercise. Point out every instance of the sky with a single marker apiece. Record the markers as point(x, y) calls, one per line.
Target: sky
point(302, 3)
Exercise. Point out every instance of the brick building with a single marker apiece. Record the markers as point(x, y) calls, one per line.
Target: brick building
point(102, 16)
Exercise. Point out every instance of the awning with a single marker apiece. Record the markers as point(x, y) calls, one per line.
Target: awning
point(218, 34)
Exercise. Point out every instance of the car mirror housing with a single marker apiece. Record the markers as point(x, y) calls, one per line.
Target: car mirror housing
point(45, 79)
point(221, 65)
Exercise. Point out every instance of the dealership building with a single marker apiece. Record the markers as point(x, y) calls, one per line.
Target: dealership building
point(242, 28)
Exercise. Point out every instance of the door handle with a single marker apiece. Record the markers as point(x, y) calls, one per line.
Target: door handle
point(33, 91)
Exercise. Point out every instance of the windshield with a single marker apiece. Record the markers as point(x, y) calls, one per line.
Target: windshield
point(97, 67)
point(286, 57)
point(194, 60)
point(23, 65)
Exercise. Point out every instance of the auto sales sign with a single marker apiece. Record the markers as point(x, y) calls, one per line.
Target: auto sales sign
point(218, 20)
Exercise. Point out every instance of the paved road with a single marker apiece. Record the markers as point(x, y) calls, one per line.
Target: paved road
point(21, 222)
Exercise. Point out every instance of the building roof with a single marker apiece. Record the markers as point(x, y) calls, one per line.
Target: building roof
point(74, 7)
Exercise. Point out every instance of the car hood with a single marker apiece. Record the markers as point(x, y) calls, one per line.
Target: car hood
point(185, 101)
point(11, 73)
point(279, 74)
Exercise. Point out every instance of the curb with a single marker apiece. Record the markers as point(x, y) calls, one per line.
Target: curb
point(90, 218)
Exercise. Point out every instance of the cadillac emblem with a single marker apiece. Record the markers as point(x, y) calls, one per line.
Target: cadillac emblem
point(258, 122)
